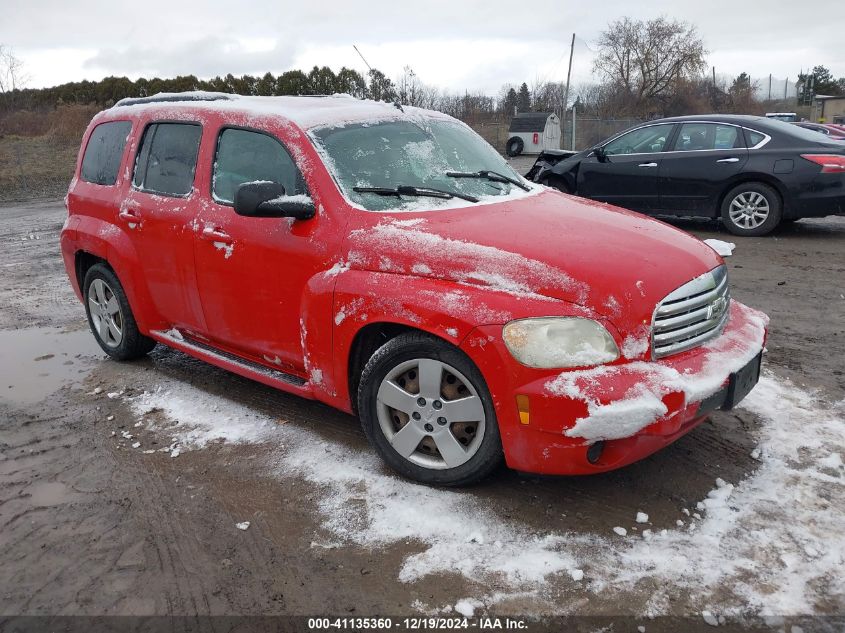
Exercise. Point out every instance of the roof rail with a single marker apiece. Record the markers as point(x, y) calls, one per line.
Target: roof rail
point(170, 97)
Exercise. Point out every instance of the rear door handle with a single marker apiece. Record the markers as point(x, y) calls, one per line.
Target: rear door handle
point(214, 234)
point(728, 160)
point(648, 164)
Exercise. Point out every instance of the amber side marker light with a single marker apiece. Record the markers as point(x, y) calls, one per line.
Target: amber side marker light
point(522, 405)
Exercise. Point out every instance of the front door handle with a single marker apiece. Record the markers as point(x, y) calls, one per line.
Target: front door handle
point(728, 160)
point(131, 217)
point(216, 235)
point(648, 164)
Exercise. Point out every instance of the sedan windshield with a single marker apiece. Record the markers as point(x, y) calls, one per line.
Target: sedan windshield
point(413, 153)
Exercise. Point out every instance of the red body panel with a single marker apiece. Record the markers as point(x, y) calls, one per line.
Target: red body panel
point(291, 295)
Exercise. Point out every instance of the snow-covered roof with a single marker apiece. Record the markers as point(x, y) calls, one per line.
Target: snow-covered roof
point(305, 111)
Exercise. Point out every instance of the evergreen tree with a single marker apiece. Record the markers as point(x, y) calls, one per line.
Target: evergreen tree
point(523, 99)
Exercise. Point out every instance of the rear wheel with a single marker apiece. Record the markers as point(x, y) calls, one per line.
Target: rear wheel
point(514, 146)
point(109, 316)
point(752, 209)
point(426, 409)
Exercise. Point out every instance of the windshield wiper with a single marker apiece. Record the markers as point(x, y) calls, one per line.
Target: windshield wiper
point(489, 175)
point(408, 190)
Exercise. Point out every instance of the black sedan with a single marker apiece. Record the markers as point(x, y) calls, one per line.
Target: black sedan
point(753, 172)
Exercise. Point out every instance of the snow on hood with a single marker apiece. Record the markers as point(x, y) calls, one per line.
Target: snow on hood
point(618, 263)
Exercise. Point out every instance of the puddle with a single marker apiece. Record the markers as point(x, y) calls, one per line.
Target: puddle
point(51, 494)
point(39, 361)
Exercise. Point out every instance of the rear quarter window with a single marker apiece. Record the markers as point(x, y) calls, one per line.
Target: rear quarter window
point(104, 151)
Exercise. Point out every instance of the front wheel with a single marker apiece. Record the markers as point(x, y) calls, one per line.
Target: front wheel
point(752, 209)
point(426, 409)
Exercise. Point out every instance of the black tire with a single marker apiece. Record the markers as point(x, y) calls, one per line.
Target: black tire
point(132, 343)
point(556, 183)
point(514, 146)
point(409, 347)
point(753, 189)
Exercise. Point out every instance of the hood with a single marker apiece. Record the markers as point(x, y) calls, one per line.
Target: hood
point(617, 263)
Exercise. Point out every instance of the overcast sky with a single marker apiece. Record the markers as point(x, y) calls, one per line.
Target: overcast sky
point(454, 44)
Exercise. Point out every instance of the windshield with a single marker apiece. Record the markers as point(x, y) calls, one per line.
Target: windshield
point(415, 153)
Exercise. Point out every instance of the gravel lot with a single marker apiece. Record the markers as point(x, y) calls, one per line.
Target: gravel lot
point(91, 525)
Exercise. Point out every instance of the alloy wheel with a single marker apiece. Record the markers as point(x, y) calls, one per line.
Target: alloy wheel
point(106, 315)
point(431, 414)
point(749, 209)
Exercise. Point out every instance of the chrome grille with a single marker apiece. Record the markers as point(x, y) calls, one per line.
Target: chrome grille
point(692, 314)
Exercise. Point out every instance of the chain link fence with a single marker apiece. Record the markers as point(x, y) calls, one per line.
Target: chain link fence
point(588, 131)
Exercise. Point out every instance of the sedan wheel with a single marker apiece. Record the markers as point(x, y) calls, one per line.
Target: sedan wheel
point(751, 209)
point(426, 409)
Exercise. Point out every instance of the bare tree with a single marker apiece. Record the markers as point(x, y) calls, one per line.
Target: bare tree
point(12, 76)
point(648, 58)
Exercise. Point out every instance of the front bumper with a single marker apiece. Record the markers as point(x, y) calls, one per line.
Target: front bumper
point(631, 409)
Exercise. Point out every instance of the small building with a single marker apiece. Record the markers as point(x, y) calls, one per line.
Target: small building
point(533, 132)
point(828, 109)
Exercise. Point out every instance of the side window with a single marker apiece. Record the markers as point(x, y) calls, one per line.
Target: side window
point(246, 156)
point(754, 138)
point(167, 159)
point(645, 140)
point(104, 151)
point(701, 136)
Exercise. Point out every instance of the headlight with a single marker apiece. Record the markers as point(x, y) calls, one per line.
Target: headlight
point(557, 342)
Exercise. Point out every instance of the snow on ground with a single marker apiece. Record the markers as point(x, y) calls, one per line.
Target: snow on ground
point(769, 545)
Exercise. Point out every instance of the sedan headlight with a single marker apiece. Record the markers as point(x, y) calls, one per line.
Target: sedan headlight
point(558, 342)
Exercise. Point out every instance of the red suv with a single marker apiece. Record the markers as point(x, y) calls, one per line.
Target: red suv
point(387, 261)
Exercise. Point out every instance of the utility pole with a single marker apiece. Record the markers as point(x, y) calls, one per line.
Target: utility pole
point(785, 88)
point(362, 57)
point(568, 75)
point(770, 86)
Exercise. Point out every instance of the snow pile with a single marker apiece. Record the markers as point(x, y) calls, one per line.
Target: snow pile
point(771, 538)
point(725, 249)
point(467, 607)
point(198, 418)
point(765, 545)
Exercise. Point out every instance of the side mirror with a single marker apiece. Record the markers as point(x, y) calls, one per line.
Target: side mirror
point(266, 199)
point(600, 154)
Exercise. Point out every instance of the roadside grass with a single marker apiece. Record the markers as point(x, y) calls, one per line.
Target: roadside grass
point(35, 167)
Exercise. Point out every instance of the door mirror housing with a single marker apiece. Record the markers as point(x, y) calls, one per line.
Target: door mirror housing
point(267, 199)
point(600, 154)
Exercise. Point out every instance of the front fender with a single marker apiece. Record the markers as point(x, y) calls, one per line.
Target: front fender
point(445, 309)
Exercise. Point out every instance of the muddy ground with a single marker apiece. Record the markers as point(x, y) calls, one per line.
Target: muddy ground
point(89, 525)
